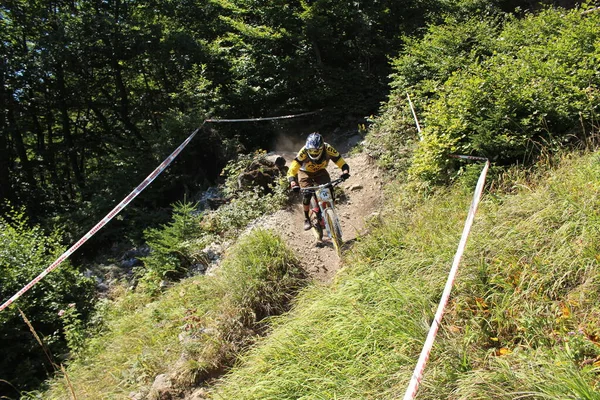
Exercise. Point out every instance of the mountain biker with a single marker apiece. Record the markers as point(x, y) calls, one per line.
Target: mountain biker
point(310, 168)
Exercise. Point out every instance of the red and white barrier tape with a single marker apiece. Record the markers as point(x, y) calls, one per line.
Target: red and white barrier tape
point(417, 376)
point(104, 220)
point(128, 199)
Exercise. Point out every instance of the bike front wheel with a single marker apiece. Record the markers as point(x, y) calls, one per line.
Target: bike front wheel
point(335, 230)
point(317, 229)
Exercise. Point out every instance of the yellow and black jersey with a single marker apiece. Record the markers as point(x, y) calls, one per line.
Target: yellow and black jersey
point(302, 162)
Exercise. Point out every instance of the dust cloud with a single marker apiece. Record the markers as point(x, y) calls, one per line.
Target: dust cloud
point(287, 143)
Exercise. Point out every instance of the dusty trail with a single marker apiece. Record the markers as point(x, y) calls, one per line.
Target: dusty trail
point(362, 198)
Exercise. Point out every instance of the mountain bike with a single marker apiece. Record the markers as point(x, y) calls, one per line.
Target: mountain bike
point(322, 213)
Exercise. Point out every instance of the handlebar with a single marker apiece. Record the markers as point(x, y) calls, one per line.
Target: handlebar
point(333, 183)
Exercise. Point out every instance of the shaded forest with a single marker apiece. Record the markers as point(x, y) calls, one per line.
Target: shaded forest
point(96, 93)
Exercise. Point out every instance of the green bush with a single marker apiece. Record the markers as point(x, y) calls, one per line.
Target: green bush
point(174, 247)
point(25, 252)
point(177, 245)
point(510, 92)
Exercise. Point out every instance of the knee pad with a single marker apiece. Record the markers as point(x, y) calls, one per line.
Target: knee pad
point(306, 199)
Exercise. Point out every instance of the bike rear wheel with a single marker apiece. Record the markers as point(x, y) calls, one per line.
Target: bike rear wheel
point(335, 230)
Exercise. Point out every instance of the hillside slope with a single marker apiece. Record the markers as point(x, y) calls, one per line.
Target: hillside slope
point(522, 321)
point(523, 317)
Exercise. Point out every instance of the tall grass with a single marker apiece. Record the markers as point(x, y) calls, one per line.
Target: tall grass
point(522, 321)
point(191, 332)
point(531, 296)
point(357, 339)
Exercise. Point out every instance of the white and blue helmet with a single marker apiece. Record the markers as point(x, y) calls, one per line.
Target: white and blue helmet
point(314, 146)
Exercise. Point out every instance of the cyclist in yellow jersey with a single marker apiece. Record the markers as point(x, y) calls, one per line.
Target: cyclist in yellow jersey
point(309, 168)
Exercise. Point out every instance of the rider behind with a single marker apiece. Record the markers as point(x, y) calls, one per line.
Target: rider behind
point(310, 168)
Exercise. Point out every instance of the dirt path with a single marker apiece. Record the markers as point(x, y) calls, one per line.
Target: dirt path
point(362, 198)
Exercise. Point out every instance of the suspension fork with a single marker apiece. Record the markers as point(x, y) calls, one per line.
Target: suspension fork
point(319, 209)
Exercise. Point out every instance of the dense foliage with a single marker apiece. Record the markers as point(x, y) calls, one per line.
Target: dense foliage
point(25, 252)
point(178, 246)
point(500, 87)
point(94, 94)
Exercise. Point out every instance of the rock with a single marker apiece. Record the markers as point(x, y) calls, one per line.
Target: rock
point(161, 388)
point(199, 394)
point(214, 203)
point(354, 140)
point(263, 173)
point(130, 263)
point(211, 199)
point(102, 287)
point(136, 396)
point(131, 258)
point(277, 160)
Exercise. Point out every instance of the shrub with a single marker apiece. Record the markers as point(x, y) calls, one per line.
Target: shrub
point(174, 247)
point(25, 251)
point(515, 90)
point(178, 245)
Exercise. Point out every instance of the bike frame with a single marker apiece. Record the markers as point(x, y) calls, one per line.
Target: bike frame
point(323, 194)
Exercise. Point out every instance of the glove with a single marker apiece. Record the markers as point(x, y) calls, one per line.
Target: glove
point(345, 175)
point(294, 186)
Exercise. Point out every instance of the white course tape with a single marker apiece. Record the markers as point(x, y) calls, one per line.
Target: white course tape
point(417, 376)
point(414, 116)
point(128, 199)
point(104, 220)
point(260, 119)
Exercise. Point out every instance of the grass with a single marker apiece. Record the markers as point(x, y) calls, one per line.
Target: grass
point(358, 338)
point(522, 321)
point(530, 291)
point(191, 332)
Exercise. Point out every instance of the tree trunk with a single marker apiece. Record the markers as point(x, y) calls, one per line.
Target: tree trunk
point(50, 159)
point(66, 127)
point(317, 53)
point(113, 45)
point(5, 189)
point(4, 163)
point(19, 144)
point(40, 143)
